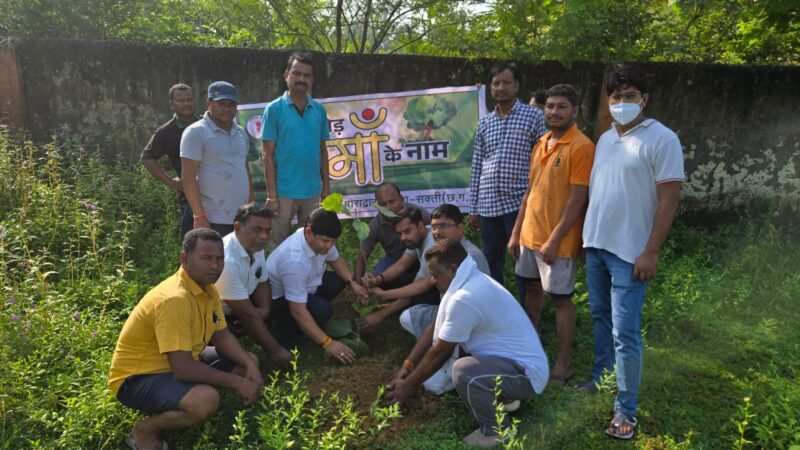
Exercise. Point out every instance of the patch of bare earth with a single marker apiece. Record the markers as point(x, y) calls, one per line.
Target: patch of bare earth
point(388, 345)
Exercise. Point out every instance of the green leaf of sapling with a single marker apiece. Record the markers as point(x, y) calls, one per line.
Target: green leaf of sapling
point(337, 328)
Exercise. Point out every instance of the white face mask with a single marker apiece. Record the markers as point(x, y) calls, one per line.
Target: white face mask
point(624, 113)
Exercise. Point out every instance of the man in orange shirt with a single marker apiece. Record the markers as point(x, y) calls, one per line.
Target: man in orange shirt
point(547, 234)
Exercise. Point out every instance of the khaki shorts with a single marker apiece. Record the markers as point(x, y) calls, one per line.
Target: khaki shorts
point(557, 278)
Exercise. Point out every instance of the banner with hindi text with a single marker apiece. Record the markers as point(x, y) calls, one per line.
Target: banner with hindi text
point(420, 140)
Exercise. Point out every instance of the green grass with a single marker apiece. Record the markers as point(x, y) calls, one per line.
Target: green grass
point(720, 326)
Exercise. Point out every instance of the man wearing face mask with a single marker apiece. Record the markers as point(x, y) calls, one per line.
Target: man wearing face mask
point(295, 128)
point(634, 189)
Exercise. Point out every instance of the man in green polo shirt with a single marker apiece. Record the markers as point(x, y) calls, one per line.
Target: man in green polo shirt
point(167, 141)
point(293, 135)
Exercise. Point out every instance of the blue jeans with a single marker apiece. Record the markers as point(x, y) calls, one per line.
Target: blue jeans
point(495, 233)
point(615, 303)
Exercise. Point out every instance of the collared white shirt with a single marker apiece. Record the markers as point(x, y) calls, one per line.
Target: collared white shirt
point(481, 315)
point(294, 270)
point(622, 187)
point(242, 273)
point(222, 174)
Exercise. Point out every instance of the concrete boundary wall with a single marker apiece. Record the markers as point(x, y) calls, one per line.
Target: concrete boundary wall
point(739, 125)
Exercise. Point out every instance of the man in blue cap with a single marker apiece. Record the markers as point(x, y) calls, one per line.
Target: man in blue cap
point(215, 175)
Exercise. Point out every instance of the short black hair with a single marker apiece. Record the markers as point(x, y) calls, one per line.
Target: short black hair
point(193, 236)
point(506, 65)
point(388, 183)
point(627, 76)
point(565, 90)
point(179, 87)
point(252, 210)
point(303, 57)
point(414, 215)
point(447, 252)
point(540, 96)
point(448, 211)
point(324, 223)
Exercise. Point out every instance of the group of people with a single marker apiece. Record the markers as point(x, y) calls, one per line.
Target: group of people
point(540, 190)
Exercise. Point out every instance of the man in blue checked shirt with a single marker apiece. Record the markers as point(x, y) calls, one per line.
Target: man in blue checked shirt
point(500, 162)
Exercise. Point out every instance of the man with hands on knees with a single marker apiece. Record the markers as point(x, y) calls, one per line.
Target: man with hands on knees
point(244, 285)
point(301, 287)
point(483, 332)
point(162, 364)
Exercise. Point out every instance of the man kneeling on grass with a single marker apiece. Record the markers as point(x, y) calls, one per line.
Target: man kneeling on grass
point(486, 331)
point(162, 364)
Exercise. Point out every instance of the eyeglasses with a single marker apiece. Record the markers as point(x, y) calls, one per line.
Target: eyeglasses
point(258, 272)
point(441, 226)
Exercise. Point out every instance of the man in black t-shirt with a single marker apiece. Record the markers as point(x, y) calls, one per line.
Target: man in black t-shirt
point(166, 141)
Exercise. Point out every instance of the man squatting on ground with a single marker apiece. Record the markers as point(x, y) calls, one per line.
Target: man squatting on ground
point(421, 295)
point(547, 235)
point(301, 287)
point(162, 364)
point(167, 141)
point(216, 178)
point(381, 230)
point(499, 174)
point(244, 283)
point(293, 134)
point(482, 329)
point(633, 195)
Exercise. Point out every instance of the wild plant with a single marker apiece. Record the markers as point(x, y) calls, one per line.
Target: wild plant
point(745, 416)
point(507, 435)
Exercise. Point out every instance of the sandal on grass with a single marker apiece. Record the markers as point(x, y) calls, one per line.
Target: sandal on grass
point(619, 423)
point(561, 380)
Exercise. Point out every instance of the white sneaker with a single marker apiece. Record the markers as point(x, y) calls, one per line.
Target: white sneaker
point(511, 407)
point(477, 439)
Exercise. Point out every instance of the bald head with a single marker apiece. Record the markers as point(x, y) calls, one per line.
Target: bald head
point(388, 196)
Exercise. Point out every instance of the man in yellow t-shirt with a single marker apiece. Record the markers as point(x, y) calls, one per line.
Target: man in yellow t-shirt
point(162, 364)
point(547, 234)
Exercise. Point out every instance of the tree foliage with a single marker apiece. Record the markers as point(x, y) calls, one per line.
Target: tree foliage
point(727, 31)
point(429, 111)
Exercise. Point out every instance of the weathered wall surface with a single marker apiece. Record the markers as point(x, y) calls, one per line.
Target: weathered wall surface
point(740, 130)
point(739, 125)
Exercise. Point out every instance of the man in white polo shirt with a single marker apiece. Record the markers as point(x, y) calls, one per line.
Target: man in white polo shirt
point(214, 169)
point(301, 288)
point(480, 317)
point(634, 189)
point(244, 285)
